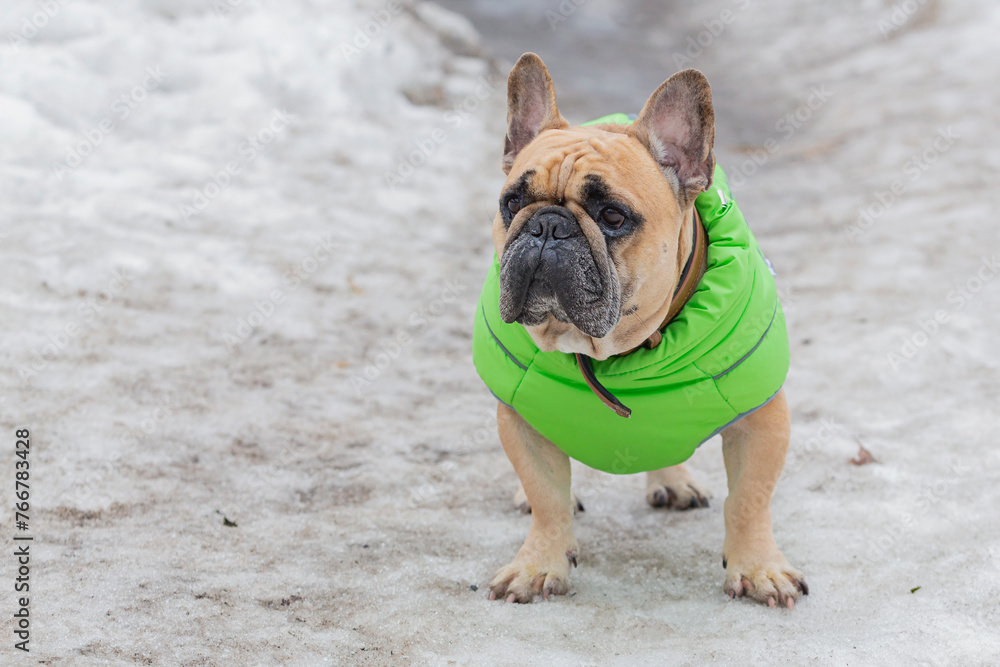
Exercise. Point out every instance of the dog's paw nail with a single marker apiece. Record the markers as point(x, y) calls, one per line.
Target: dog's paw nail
point(804, 586)
point(493, 595)
point(771, 602)
point(664, 497)
point(525, 508)
point(579, 507)
point(732, 594)
point(725, 563)
point(697, 500)
point(511, 598)
point(790, 602)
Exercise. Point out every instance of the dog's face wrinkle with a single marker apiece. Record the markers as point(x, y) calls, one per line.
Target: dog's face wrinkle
point(642, 319)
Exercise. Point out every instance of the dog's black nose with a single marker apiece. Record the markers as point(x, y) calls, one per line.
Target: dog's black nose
point(553, 222)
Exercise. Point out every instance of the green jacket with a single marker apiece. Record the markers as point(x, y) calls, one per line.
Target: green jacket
point(722, 357)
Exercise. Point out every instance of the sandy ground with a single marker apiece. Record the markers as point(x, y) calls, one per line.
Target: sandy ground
point(241, 247)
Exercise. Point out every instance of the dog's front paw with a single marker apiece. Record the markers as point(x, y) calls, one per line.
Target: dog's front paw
point(526, 576)
point(684, 497)
point(771, 580)
point(675, 488)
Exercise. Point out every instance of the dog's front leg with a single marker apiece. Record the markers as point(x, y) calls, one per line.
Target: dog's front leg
point(542, 564)
point(754, 449)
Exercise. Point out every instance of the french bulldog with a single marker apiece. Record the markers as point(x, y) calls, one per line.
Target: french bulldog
point(594, 244)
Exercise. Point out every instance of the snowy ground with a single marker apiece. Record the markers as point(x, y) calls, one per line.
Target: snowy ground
point(241, 246)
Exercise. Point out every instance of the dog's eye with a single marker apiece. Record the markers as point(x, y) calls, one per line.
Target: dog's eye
point(514, 205)
point(612, 217)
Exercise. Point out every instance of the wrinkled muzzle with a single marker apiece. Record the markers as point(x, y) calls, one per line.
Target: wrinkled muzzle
point(549, 267)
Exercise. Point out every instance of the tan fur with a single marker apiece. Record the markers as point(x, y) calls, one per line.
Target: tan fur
point(659, 179)
point(754, 451)
point(542, 564)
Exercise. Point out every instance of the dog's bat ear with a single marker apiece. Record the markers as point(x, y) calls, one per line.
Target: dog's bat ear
point(677, 126)
point(531, 106)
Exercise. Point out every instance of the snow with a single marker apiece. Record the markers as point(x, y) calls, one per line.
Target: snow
point(242, 247)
